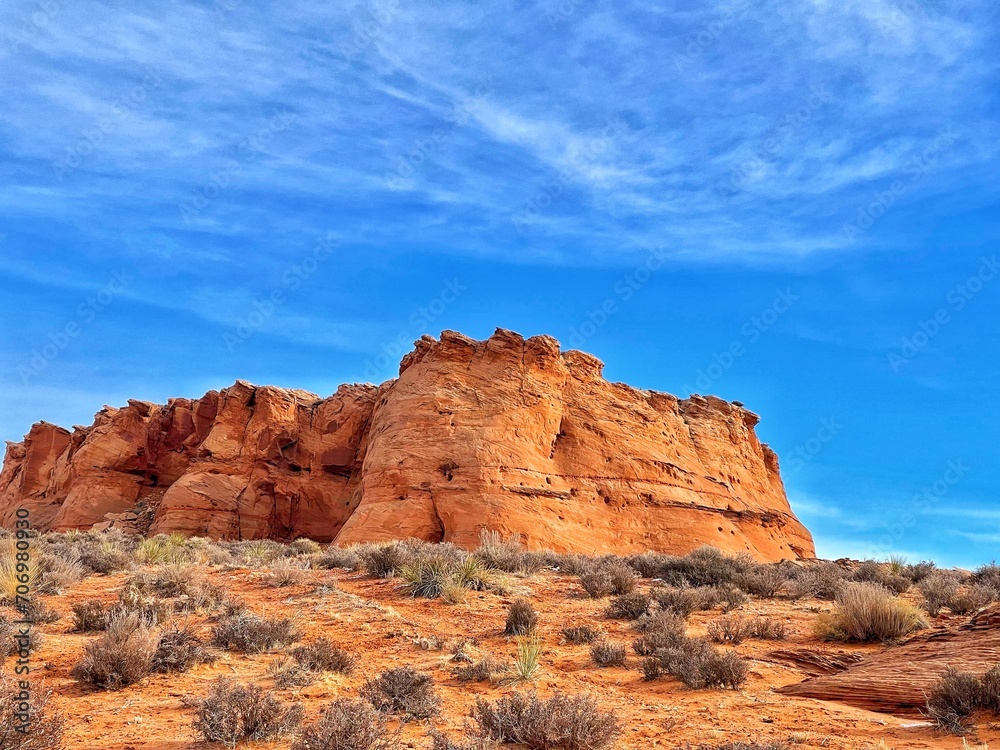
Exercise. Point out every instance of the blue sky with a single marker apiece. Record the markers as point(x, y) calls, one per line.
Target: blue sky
point(791, 203)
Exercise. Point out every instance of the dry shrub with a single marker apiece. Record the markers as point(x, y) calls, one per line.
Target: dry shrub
point(991, 689)
point(402, 691)
point(150, 609)
point(972, 599)
point(233, 712)
point(988, 575)
point(348, 725)
point(304, 546)
point(610, 576)
point(579, 634)
point(89, 616)
point(623, 578)
point(560, 723)
point(179, 649)
point(682, 600)
point(286, 672)
point(953, 700)
point(736, 629)
point(822, 581)
point(121, 657)
point(14, 641)
point(695, 663)
point(508, 555)
point(629, 606)
point(958, 695)
point(36, 612)
point(938, 589)
point(484, 670)
point(338, 557)
point(705, 566)
point(384, 560)
point(867, 613)
point(890, 575)
point(661, 631)
point(181, 581)
point(104, 558)
point(596, 583)
point(764, 581)
point(322, 656)
point(607, 654)
point(44, 723)
point(60, 573)
point(729, 629)
point(284, 573)
point(768, 629)
point(441, 741)
point(249, 634)
point(521, 618)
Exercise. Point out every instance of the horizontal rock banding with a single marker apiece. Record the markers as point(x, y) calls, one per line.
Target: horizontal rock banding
point(509, 434)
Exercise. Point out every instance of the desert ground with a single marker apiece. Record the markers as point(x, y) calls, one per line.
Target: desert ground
point(337, 595)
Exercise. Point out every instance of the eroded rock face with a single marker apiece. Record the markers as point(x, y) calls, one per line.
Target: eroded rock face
point(507, 434)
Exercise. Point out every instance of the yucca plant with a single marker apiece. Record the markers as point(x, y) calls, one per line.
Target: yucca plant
point(427, 576)
point(529, 652)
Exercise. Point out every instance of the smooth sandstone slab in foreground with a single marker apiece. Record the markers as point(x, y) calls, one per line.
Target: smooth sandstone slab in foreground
point(900, 679)
point(506, 434)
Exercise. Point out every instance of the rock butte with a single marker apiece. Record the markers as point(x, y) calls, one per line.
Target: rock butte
point(506, 434)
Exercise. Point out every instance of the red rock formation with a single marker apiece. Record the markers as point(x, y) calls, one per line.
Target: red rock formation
point(899, 680)
point(506, 434)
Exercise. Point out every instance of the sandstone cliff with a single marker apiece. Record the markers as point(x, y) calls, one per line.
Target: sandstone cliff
point(507, 434)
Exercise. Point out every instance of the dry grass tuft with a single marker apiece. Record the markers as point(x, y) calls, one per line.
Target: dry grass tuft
point(869, 613)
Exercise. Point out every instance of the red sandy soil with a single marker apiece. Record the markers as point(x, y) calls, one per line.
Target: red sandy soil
point(383, 626)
